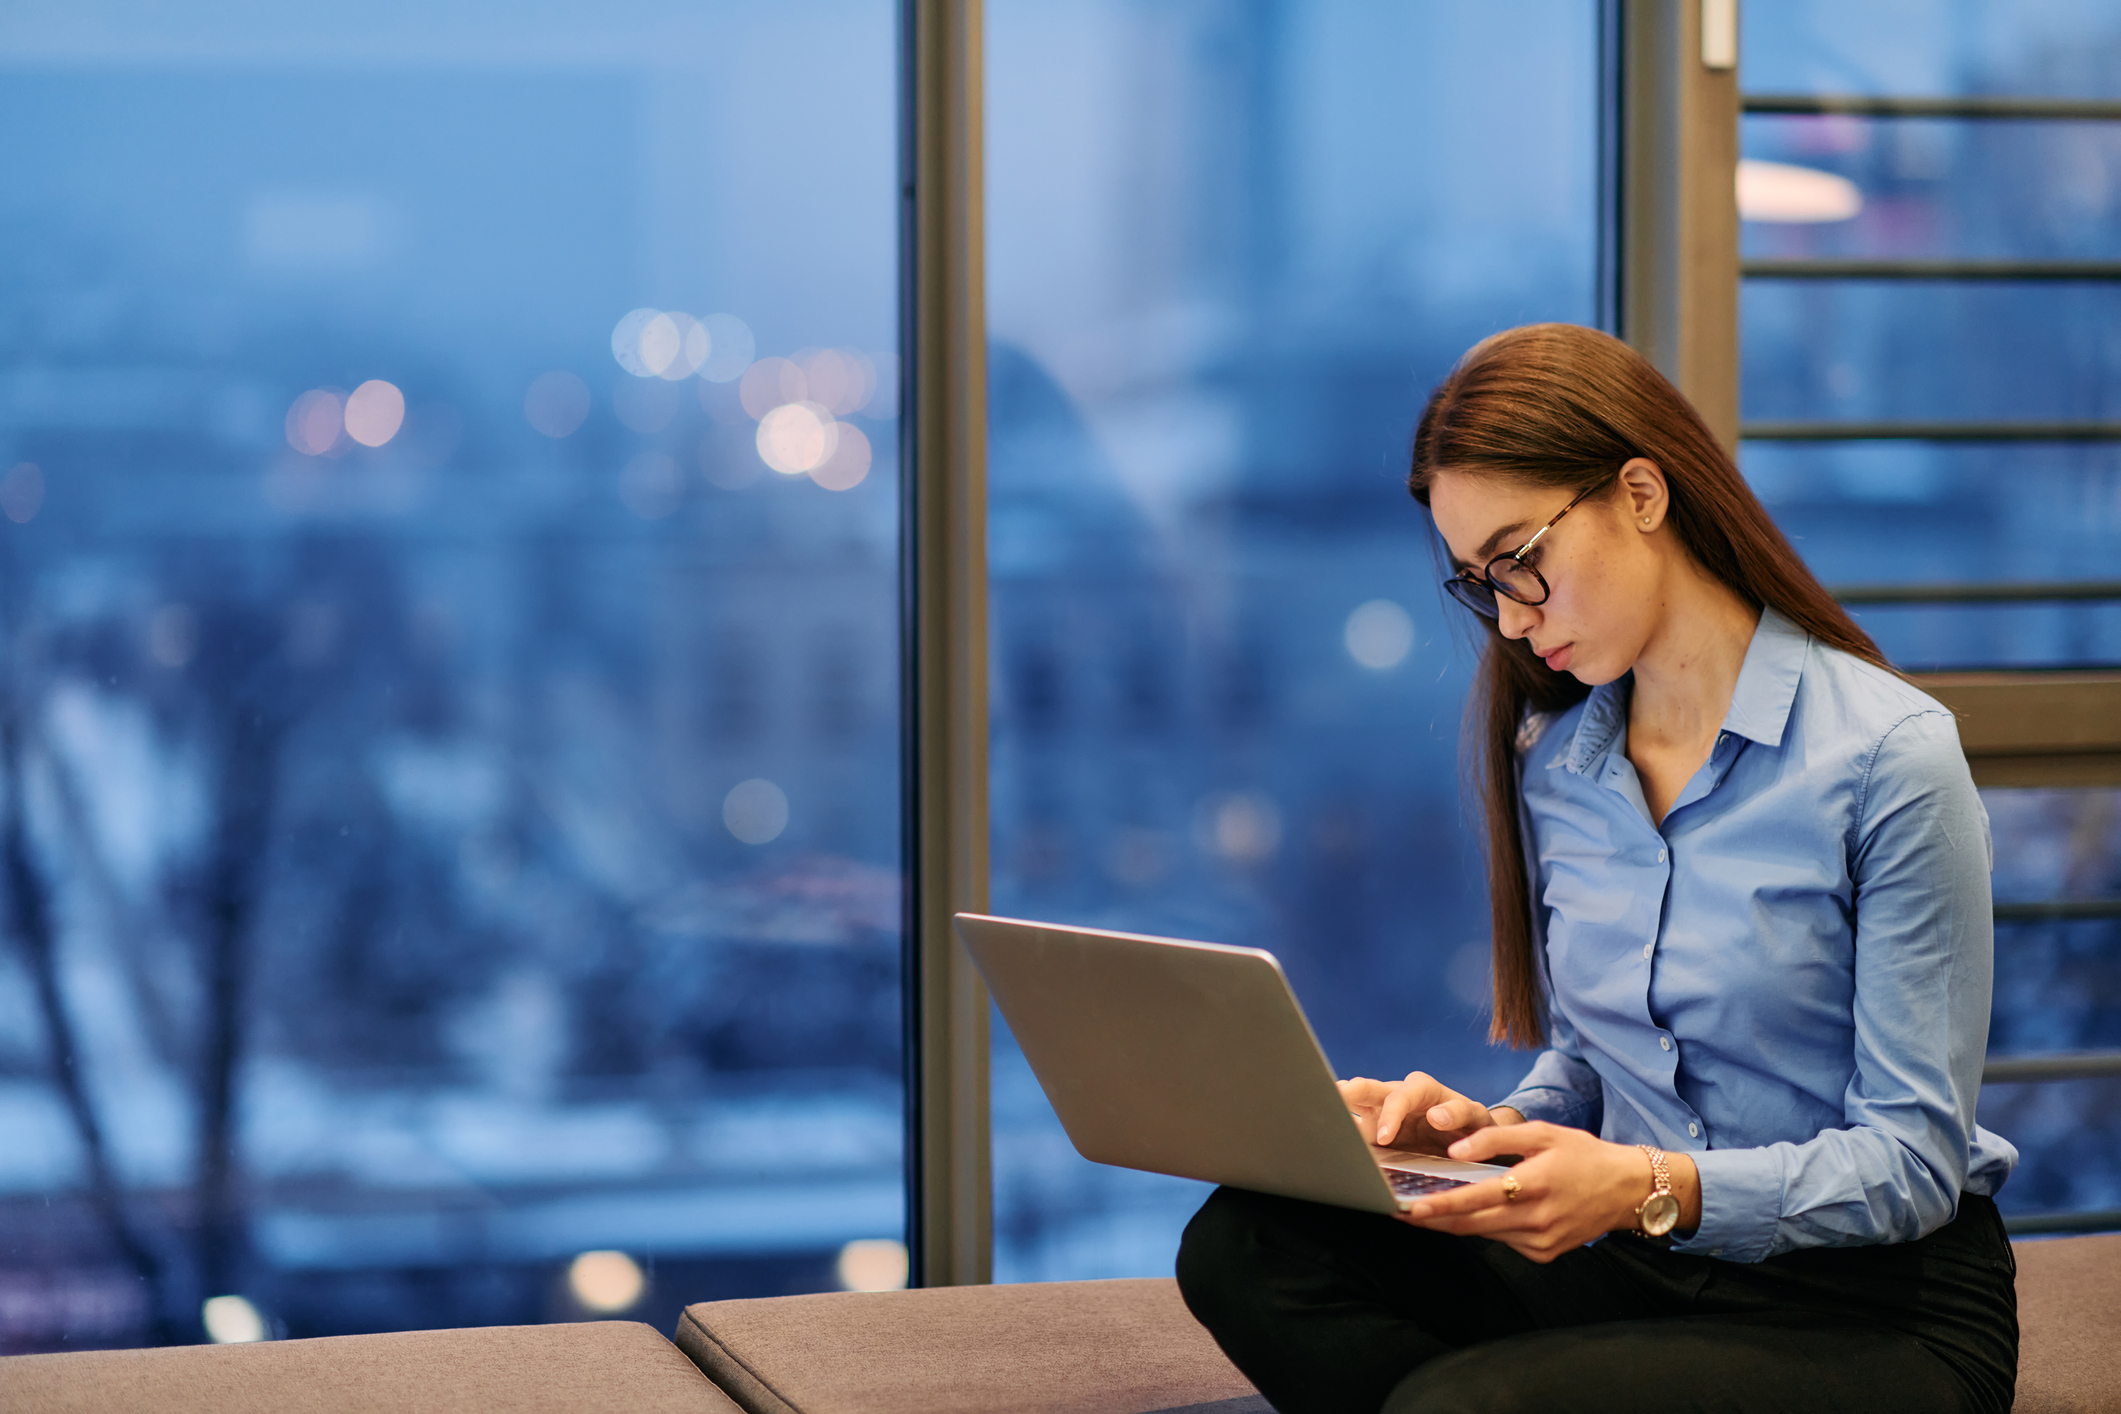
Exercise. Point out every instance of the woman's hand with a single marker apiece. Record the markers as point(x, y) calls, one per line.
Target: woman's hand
point(1571, 1187)
point(1418, 1113)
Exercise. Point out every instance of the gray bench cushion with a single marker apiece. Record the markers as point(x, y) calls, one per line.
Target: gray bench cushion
point(1073, 1347)
point(2069, 1323)
point(600, 1367)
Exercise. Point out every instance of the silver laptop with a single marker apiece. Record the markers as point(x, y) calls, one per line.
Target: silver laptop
point(1190, 1059)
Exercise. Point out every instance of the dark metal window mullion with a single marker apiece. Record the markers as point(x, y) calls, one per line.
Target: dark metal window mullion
point(943, 617)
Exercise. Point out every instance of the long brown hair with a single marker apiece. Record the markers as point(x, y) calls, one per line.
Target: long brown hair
point(1564, 406)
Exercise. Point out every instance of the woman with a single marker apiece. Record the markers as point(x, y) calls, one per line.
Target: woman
point(1739, 880)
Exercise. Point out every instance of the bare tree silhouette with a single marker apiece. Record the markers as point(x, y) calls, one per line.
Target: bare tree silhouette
point(29, 920)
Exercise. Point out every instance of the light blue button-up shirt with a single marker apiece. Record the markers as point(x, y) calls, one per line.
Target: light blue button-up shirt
point(1788, 981)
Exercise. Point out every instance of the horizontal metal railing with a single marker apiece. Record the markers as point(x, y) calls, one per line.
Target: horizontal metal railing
point(2008, 592)
point(2059, 910)
point(1858, 106)
point(2063, 1065)
point(1931, 432)
point(1924, 268)
point(1999, 1070)
point(2034, 1224)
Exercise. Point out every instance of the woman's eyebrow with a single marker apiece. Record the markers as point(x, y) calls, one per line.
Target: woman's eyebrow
point(1488, 546)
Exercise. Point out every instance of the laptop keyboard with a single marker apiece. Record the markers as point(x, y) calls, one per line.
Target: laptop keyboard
point(1413, 1185)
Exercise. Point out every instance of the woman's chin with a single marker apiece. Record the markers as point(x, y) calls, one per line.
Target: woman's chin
point(1588, 670)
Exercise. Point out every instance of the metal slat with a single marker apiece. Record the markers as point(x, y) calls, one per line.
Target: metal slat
point(2034, 1070)
point(2028, 270)
point(2108, 1220)
point(2028, 592)
point(1931, 432)
point(2065, 109)
point(2059, 911)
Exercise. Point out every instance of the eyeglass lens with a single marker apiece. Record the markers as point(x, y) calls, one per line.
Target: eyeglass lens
point(1475, 595)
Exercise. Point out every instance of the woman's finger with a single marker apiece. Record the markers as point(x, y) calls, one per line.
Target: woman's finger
point(1361, 1090)
point(1471, 1198)
point(1456, 1113)
point(1491, 1140)
point(1391, 1114)
point(1514, 1218)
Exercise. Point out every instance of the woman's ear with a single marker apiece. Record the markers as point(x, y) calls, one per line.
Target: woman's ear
point(1644, 493)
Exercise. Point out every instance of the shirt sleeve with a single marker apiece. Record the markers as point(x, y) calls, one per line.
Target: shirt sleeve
point(1561, 1088)
point(1920, 858)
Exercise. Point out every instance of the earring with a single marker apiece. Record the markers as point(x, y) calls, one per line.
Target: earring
point(1645, 520)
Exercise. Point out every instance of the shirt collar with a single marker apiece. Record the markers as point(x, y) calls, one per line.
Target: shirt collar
point(1760, 704)
point(1767, 683)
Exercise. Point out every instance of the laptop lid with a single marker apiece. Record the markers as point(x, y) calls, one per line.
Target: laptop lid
point(1177, 1057)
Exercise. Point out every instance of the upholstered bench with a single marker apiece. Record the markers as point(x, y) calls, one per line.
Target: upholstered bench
point(1097, 1347)
point(1130, 1347)
point(597, 1367)
point(2069, 1326)
point(1072, 1347)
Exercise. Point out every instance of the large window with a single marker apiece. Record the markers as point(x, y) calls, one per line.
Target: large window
point(1230, 249)
point(1932, 396)
point(450, 745)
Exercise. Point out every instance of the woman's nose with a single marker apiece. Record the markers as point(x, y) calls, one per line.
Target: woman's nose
point(1514, 619)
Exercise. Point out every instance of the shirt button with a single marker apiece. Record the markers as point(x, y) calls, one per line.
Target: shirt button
point(1664, 1043)
point(1646, 948)
point(1693, 1131)
point(1660, 856)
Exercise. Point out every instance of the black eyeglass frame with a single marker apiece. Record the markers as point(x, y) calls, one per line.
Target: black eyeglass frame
point(1479, 593)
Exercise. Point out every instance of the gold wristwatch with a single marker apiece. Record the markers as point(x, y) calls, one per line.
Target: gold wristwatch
point(1657, 1214)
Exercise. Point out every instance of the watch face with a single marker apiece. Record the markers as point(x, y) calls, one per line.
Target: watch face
point(1660, 1214)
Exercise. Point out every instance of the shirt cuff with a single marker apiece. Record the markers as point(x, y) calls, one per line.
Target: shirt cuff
point(1741, 1204)
point(1551, 1104)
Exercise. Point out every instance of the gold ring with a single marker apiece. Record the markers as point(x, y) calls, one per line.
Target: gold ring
point(1510, 1191)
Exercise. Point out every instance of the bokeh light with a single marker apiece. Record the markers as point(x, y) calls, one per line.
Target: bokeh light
point(22, 492)
point(605, 1281)
point(374, 412)
point(730, 348)
point(874, 1264)
point(769, 383)
point(1379, 634)
point(662, 343)
point(1243, 826)
point(314, 422)
point(755, 811)
point(840, 380)
point(693, 346)
point(1782, 192)
point(626, 341)
point(645, 406)
point(848, 462)
point(795, 437)
point(231, 1320)
point(651, 486)
point(557, 403)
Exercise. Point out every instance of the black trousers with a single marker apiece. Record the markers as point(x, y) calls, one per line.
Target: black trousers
point(1331, 1311)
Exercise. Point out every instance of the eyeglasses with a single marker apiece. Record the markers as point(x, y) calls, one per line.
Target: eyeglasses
point(1508, 574)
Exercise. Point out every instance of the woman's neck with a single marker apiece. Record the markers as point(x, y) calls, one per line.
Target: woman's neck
point(1687, 672)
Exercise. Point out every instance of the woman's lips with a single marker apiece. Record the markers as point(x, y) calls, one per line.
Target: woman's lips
point(1558, 658)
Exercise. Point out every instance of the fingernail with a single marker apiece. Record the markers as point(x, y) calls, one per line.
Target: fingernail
point(1383, 1134)
point(1439, 1115)
point(1419, 1210)
point(1456, 1150)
